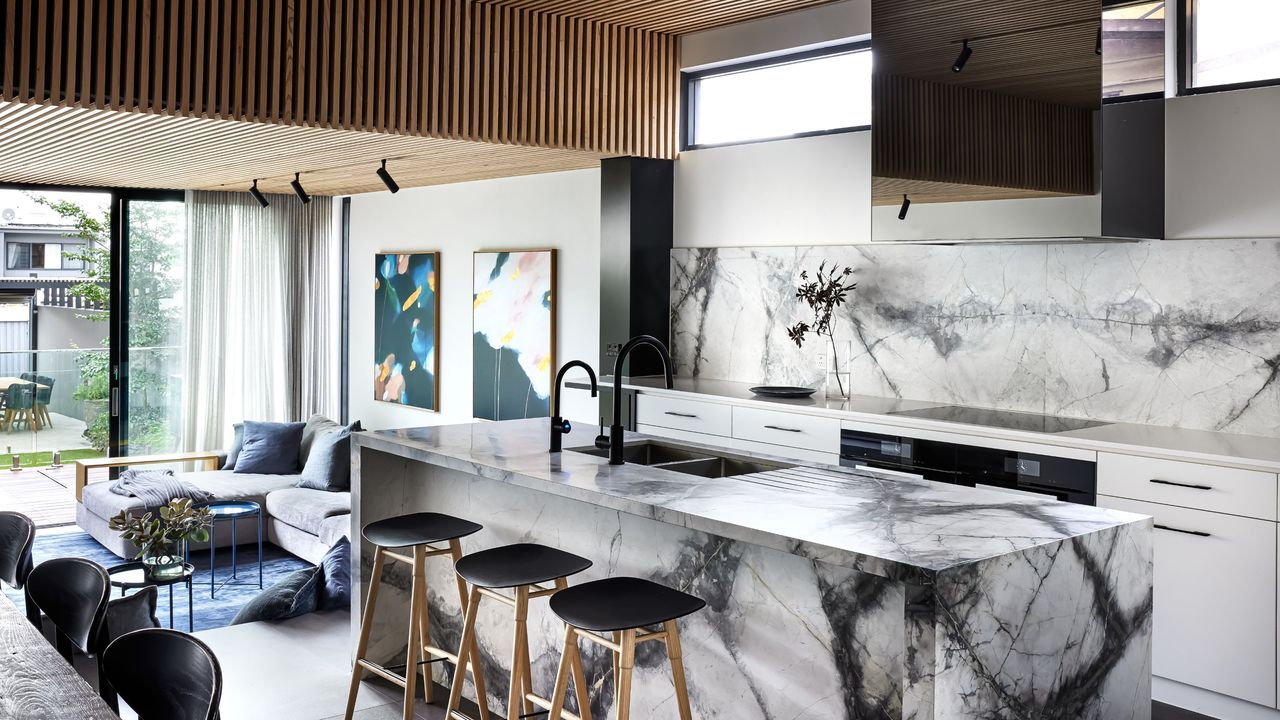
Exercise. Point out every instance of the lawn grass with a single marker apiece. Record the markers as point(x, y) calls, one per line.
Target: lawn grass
point(43, 459)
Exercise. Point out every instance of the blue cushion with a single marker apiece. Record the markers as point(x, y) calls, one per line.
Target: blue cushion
point(328, 467)
point(335, 591)
point(270, 448)
point(237, 444)
point(297, 594)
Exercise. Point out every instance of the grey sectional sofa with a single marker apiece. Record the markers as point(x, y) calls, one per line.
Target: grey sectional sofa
point(303, 521)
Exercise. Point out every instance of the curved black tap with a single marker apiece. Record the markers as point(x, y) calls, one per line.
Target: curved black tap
point(615, 430)
point(560, 426)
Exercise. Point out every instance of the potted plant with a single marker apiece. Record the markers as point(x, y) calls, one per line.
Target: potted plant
point(162, 539)
point(824, 294)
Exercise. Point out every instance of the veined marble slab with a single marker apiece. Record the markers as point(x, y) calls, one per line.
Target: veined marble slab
point(832, 593)
point(1183, 334)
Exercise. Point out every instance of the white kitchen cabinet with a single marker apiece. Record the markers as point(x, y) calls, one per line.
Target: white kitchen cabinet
point(1205, 487)
point(683, 414)
point(776, 427)
point(782, 451)
point(1215, 599)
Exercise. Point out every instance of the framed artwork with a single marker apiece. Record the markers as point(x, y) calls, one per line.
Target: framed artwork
point(513, 326)
point(406, 329)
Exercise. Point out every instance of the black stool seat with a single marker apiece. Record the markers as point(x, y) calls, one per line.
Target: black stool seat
point(622, 603)
point(418, 529)
point(515, 565)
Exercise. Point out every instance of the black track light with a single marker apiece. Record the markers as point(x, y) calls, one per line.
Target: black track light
point(906, 205)
point(297, 189)
point(387, 179)
point(963, 58)
point(257, 194)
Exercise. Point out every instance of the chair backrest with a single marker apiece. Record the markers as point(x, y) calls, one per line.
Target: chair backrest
point(21, 396)
point(28, 376)
point(164, 675)
point(73, 593)
point(17, 533)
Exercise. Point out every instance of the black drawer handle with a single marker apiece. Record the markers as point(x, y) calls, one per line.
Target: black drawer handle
point(1192, 486)
point(1197, 533)
point(783, 429)
point(683, 415)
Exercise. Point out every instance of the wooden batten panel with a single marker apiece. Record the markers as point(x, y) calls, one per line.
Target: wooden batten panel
point(455, 69)
point(940, 133)
point(676, 17)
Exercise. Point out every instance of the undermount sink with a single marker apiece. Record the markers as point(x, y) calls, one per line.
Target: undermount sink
point(690, 461)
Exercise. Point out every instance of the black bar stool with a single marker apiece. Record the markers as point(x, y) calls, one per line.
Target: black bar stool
point(519, 567)
point(625, 607)
point(416, 531)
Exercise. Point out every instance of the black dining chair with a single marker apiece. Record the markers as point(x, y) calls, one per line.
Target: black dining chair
point(164, 675)
point(17, 534)
point(72, 592)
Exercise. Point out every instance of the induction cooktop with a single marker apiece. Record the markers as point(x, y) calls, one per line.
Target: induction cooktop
point(1030, 422)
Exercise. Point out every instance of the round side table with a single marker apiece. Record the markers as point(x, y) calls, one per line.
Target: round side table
point(133, 576)
point(232, 510)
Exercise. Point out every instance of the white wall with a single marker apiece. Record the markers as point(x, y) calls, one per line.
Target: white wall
point(805, 191)
point(557, 210)
point(1222, 165)
point(823, 25)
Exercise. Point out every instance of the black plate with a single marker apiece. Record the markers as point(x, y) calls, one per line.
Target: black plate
point(783, 391)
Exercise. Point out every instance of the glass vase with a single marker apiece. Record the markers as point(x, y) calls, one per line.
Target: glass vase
point(839, 369)
point(164, 560)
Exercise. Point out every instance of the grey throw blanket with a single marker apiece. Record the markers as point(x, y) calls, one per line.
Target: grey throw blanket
point(156, 487)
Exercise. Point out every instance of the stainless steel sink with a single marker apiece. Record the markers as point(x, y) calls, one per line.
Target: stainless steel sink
point(688, 460)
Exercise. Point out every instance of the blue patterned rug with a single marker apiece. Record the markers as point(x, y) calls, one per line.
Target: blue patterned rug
point(209, 613)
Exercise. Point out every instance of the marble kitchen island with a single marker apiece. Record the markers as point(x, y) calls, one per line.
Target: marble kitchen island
point(832, 592)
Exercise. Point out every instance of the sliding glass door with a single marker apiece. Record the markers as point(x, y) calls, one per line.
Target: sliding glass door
point(148, 289)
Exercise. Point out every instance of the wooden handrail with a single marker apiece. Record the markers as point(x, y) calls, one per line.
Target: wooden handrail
point(210, 461)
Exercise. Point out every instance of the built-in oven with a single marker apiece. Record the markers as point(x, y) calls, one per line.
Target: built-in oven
point(1065, 479)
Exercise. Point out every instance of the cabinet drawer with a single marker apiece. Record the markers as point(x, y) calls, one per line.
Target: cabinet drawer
point(1215, 600)
point(682, 414)
point(1191, 485)
point(789, 452)
point(784, 428)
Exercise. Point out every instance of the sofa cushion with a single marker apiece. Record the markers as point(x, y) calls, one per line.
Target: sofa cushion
point(317, 425)
point(221, 484)
point(305, 509)
point(335, 569)
point(297, 594)
point(237, 444)
point(271, 448)
point(333, 529)
point(132, 612)
point(328, 467)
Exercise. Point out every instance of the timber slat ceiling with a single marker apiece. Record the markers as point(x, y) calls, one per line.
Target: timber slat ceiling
point(889, 191)
point(1042, 50)
point(666, 16)
point(954, 134)
point(106, 148)
point(452, 69)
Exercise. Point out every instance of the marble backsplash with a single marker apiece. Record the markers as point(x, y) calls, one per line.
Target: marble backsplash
point(1175, 333)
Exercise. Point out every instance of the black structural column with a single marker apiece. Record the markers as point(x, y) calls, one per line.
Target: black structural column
point(636, 197)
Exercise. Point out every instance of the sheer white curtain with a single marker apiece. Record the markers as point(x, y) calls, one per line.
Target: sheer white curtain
point(262, 313)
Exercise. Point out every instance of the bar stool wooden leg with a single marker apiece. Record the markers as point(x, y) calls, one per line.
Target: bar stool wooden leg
point(415, 637)
point(366, 625)
point(625, 663)
point(616, 656)
point(464, 651)
point(677, 669)
point(562, 674)
point(424, 636)
point(580, 688)
point(473, 649)
point(516, 704)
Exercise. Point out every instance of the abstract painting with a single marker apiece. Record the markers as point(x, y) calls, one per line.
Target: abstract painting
point(406, 322)
point(513, 329)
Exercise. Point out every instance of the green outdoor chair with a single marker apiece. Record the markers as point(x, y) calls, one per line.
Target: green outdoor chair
point(20, 406)
point(43, 395)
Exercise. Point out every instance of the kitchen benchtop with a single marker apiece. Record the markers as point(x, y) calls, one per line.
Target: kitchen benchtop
point(1220, 448)
point(888, 524)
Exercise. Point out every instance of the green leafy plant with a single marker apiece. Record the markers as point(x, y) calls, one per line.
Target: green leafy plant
point(177, 521)
point(824, 294)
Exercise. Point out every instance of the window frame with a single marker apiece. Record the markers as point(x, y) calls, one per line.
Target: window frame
point(689, 96)
point(1186, 21)
point(1153, 95)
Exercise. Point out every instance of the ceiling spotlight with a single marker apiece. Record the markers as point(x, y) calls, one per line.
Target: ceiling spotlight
point(387, 179)
point(906, 205)
point(257, 194)
point(297, 189)
point(963, 58)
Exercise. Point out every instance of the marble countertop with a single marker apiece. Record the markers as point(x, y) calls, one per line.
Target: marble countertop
point(887, 524)
point(1249, 451)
